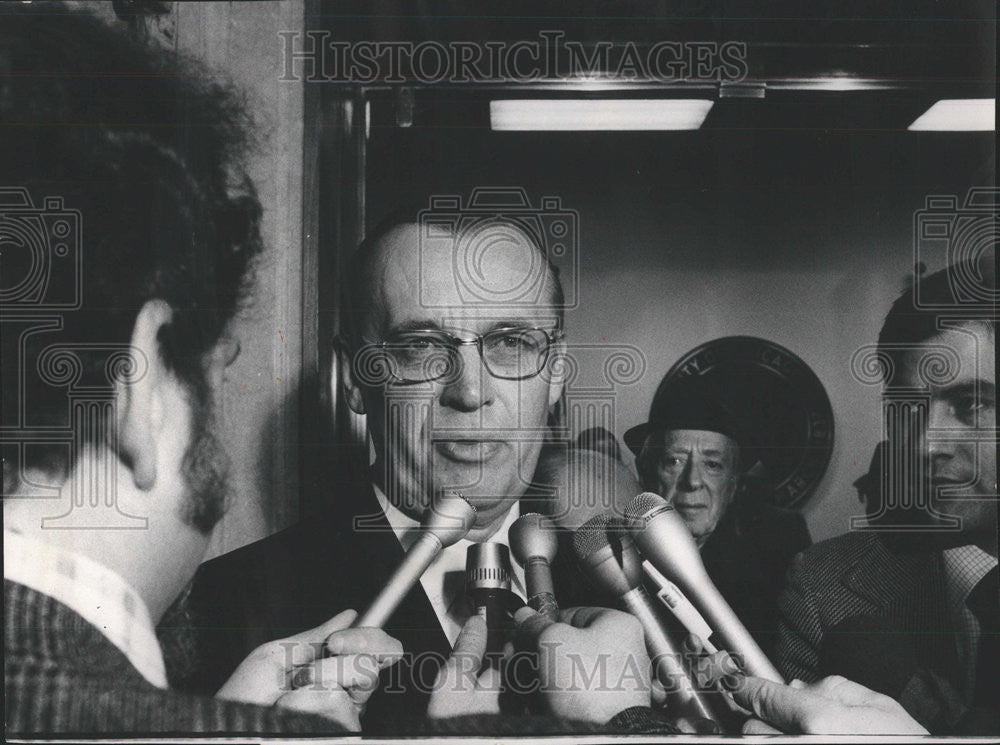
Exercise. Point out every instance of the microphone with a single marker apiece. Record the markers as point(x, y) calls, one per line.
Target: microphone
point(616, 569)
point(678, 604)
point(534, 542)
point(666, 542)
point(448, 521)
point(487, 583)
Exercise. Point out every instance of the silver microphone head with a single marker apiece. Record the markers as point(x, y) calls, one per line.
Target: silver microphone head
point(648, 507)
point(487, 567)
point(450, 518)
point(663, 537)
point(644, 506)
point(533, 536)
point(597, 546)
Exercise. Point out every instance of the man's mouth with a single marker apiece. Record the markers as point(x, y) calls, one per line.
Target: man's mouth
point(467, 451)
point(689, 507)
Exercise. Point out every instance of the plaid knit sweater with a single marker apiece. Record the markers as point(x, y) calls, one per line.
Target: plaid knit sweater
point(62, 675)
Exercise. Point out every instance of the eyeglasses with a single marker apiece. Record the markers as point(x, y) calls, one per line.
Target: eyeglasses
point(419, 356)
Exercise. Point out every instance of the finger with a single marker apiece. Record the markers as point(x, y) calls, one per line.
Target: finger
point(365, 641)
point(717, 666)
point(797, 684)
point(344, 672)
point(529, 626)
point(472, 638)
point(843, 690)
point(657, 693)
point(757, 727)
point(779, 705)
point(332, 705)
point(693, 645)
point(583, 616)
point(309, 645)
point(458, 673)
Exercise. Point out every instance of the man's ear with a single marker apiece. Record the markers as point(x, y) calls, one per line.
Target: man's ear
point(141, 406)
point(352, 391)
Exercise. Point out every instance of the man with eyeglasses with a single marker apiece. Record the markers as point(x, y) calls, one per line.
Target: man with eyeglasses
point(457, 389)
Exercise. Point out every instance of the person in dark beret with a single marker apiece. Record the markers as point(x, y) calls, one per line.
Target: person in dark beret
point(693, 452)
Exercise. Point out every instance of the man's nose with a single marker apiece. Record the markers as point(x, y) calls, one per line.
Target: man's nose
point(472, 386)
point(940, 418)
point(690, 476)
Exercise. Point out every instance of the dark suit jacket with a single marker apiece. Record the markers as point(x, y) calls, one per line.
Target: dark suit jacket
point(62, 675)
point(301, 577)
point(747, 557)
point(860, 575)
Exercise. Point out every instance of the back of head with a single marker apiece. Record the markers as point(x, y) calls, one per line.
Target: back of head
point(130, 158)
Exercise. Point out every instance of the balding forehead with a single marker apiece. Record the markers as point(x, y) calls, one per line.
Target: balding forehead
point(494, 270)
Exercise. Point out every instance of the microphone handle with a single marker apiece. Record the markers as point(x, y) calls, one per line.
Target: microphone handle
point(733, 636)
point(414, 564)
point(670, 672)
point(541, 591)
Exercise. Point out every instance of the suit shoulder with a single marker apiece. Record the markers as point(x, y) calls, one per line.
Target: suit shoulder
point(831, 556)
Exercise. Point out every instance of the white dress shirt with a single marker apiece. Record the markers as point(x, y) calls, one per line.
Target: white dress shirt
point(92, 590)
point(444, 580)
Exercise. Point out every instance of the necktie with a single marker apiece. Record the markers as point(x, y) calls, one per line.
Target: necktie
point(984, 602)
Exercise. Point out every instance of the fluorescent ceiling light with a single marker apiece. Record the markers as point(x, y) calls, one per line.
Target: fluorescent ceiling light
point(958, 115)
point(597, 114)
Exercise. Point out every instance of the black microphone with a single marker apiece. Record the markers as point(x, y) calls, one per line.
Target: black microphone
point(534, 542)
point(613, 564)
point(666, 542)
point(449, 520)
point(487, 583)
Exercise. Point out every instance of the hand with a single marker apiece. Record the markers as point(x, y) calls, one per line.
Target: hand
point(831, 706)
point(459, 689)
point(592, 665)
point(330, 670)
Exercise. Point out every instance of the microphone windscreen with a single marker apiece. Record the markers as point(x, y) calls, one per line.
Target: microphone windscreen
point(592, 536)
point(868, 650)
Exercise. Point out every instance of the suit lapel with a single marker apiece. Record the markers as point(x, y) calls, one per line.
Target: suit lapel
point(908, 588)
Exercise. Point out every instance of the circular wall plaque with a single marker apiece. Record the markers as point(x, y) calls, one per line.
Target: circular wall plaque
point(778, 401)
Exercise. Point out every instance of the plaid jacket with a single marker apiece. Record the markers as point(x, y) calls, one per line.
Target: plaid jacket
point(62, 675)
point(857, 574)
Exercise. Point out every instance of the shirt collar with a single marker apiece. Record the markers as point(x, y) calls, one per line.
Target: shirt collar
point(98, 594)
point(964, 567)
point(407, 531)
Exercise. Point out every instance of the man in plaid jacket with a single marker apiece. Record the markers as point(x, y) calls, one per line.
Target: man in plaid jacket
point(910, 607)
